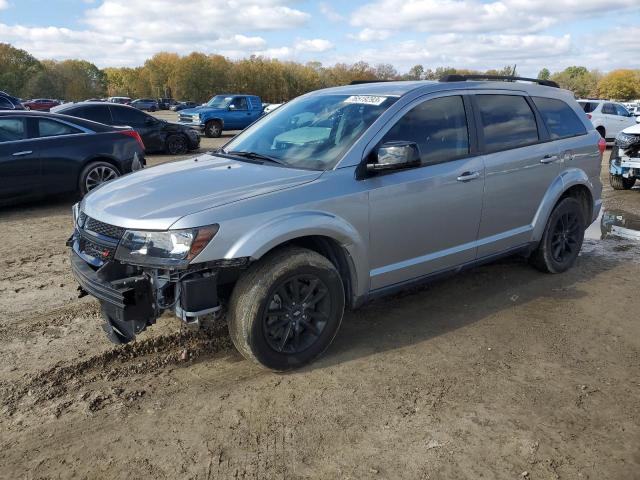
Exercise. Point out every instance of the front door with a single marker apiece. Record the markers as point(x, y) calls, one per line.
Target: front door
point(19, 160)
point(239, 115)
point(425, 219)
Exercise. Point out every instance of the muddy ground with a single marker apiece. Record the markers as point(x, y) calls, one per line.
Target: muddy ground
point(499, 373)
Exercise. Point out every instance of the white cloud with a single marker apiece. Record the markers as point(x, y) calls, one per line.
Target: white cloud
point(505, 16)
point(370, 34)
point(313, 45)
point(4, 4)
point(299, 47)
point(329, 12)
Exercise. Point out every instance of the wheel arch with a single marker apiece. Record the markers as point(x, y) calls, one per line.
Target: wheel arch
point(214, 119)
point(571, 183)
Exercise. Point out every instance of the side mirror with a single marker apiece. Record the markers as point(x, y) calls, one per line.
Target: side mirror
point(232, 107)
point(395, 156)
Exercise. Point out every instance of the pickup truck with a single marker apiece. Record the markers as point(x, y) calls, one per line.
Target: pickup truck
point(223, 112)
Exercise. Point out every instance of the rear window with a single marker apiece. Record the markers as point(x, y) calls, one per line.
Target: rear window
point(588, 107)
point(98, 113)
point(560, 119)
point(507, 122)
point(52, 128)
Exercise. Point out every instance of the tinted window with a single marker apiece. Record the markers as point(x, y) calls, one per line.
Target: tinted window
point(621, 111)
point(12, 129)
point(128, 116)
point(51, 128)
point(438, 126)
point(240, 103)
point(5, 103)
point(608, 109)
point(561, 120)
point(97, 113)
point(507, 121)
point(588, 107)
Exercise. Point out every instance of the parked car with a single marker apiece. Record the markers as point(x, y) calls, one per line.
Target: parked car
point(182, 106)
point(271, 107)
point(223, 112)
point(608, 118)
point(166, 103)
point(383, 186)
point(158, 135)
point(624, 163)
point(41, 104)
point(45, 153)
point(9, 102)
point(120, 100)
point(146, 104)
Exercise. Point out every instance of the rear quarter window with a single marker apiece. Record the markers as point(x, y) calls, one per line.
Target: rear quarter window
point(588, 107)
point(559, 117)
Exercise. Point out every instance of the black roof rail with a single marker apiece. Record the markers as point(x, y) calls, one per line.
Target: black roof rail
point(361, 82)
point(463, 78)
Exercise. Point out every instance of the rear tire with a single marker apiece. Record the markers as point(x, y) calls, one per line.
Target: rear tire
point(213, 129)
point(95, 174)
point(620, 183)
point(286, 309)
point(562, 238)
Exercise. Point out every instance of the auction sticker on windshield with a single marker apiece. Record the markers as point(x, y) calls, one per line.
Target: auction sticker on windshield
point(365, 99)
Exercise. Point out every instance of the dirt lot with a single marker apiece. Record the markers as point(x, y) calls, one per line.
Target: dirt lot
point(498, 373)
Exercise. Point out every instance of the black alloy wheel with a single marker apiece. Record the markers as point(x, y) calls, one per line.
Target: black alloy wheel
point(297, 314)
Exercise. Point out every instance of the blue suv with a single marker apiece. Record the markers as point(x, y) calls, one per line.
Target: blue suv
point(223, 112)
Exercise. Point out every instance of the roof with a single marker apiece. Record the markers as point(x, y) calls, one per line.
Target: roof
point(400, 88)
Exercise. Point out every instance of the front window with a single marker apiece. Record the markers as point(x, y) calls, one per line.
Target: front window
point(220, 101)
point(312, 132)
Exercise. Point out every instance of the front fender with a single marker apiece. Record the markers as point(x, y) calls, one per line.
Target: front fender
point(256, 242)
point(561, 184)
point(205, 120)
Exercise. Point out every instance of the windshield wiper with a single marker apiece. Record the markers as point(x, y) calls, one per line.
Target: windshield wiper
point(255, 156)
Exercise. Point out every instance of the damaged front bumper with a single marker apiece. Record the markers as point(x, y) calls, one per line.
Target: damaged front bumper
point(132, 297)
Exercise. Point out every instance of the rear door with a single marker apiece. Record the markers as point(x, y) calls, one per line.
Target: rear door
point(19, 163)
point(610, 119)
point(147, 126)
point(519, 166)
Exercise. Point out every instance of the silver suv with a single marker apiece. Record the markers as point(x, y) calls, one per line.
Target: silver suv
point(336, 198)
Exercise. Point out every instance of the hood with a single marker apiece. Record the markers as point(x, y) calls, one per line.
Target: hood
point(193, 111)
point(155, 198)
point(632, 130)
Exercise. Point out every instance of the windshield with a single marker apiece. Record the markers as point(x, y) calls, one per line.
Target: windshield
point(219, 101)
point(312, 132)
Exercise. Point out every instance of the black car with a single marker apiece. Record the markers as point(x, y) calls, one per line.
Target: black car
point(45, 153)
point(9, 102)
point(158, 135)
point(183, 105)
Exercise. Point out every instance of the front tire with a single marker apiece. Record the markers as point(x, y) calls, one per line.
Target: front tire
point(286, 309)
point(176, 145)
point(213, 129)
point(95, 174)
point(620, 183)
point(562, 238)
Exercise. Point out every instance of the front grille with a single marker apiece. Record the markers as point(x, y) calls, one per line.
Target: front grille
point(96, 250)
point(186, 118)
point(104, 229)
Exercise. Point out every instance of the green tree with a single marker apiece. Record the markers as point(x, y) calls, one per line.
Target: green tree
point(582, 82)
point(544, 74)
point(16, 68)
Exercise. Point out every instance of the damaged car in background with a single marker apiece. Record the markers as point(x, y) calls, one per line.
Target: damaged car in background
point(375, 187)
point(624, 165)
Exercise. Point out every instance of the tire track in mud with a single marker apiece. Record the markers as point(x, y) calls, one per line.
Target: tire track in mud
point(65, 384)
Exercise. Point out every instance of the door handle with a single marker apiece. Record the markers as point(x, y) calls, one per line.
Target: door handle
point(24, 152)
point(548, 159)
point(467, 176)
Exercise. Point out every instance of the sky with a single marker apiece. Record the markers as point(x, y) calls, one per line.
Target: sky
point(476, 34)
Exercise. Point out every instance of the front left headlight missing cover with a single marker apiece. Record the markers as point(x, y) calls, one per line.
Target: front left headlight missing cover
point(171, 248)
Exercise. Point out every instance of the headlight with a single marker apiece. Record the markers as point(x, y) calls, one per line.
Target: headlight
point(75, 211)
point(171, 248)
point(196, 117)
point(624, 140)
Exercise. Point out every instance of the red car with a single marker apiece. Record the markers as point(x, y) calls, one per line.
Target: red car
point(41, 104)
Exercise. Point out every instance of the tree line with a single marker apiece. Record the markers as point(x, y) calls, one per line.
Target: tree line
point(197, 76)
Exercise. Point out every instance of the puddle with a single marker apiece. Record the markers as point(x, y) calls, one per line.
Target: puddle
point(614, 224)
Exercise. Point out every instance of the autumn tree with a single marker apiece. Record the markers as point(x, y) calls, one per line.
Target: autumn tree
point(16, 68)
point(620, 85)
